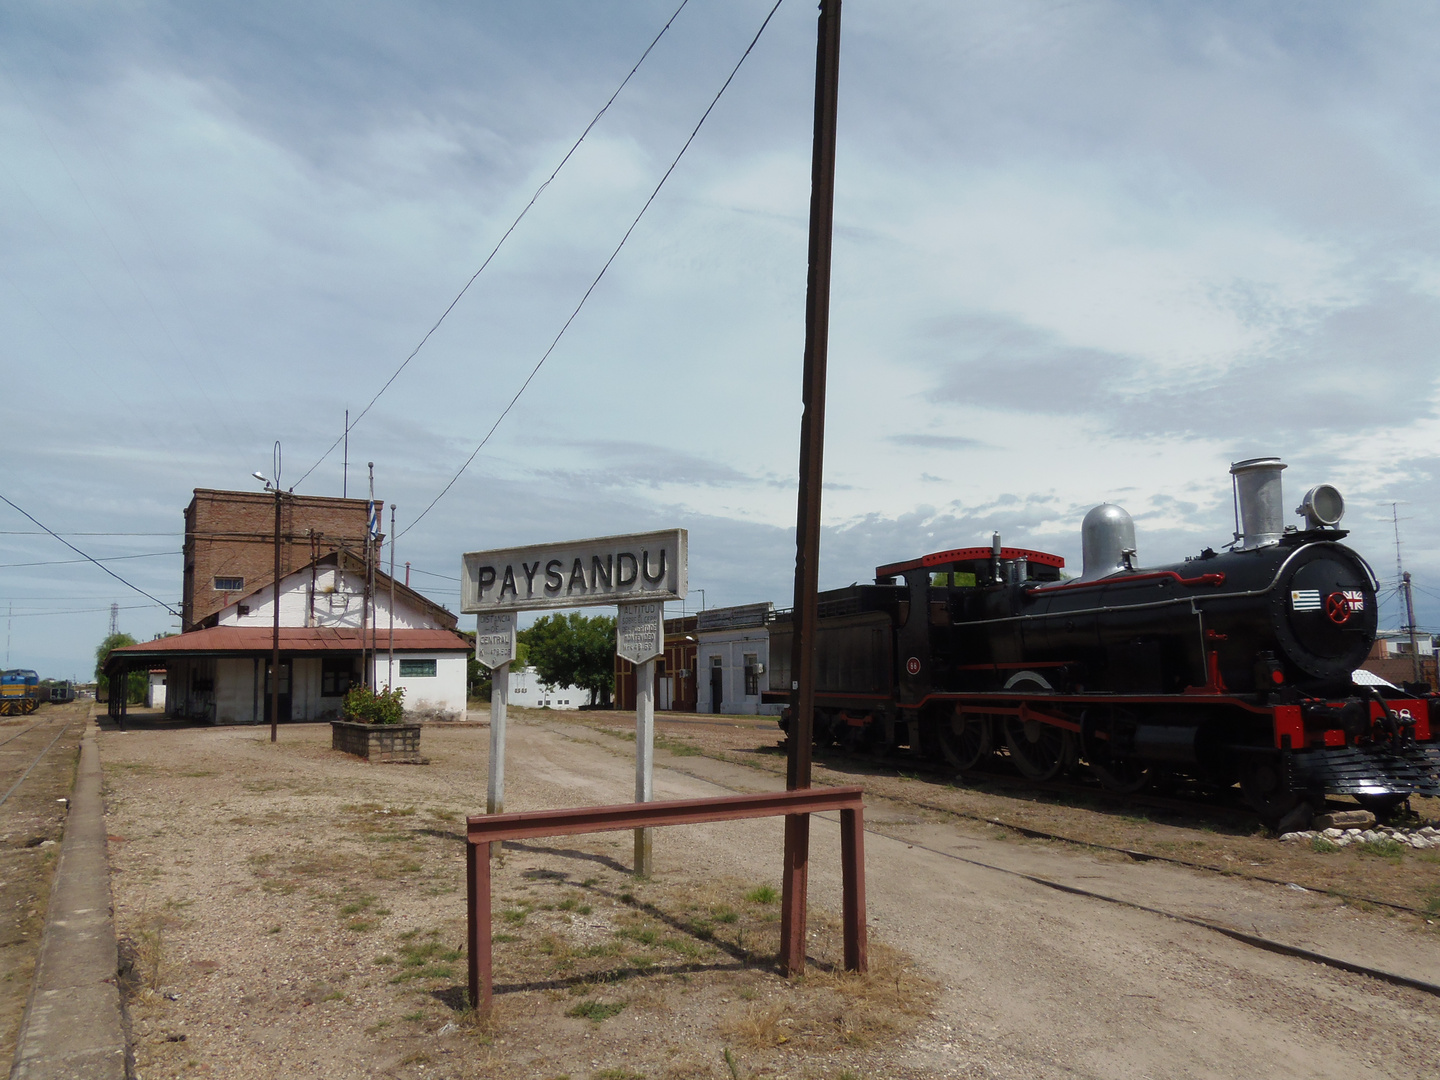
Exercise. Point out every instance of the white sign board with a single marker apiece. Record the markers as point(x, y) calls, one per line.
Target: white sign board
point(640, 632)
point(495, 638)
point(578, 573)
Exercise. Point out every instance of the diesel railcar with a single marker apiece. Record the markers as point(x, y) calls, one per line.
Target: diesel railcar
point(19, 692)
point(1234, 666)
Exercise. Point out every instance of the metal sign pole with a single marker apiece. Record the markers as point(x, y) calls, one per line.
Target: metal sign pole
point(495, 648)
point(644, 759)
point(640, 638)
point(812, 447)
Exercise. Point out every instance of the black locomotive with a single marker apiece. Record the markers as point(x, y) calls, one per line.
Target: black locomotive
point(1233, 666)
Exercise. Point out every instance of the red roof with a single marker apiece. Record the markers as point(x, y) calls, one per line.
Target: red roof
point(293, 639)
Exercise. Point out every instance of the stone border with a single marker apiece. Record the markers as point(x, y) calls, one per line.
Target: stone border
point(377, 742)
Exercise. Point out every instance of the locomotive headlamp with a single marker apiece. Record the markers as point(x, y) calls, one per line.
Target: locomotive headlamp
point(1322, 506)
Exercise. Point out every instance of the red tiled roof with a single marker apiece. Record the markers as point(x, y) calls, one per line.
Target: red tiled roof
point(293, 639)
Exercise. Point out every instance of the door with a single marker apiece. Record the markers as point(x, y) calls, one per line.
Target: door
point(717, 684)
point(284, 691)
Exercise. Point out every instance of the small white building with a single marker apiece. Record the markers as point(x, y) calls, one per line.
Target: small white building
point(732, 655)
point(1397, 643)
point(526, 689)
point(155, 689)
point(329, 638)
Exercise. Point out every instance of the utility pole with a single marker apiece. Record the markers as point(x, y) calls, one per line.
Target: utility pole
point(367, 648)
point(391, 681)
point(275, 634)
point(1410, 624)
point(812, 448)
point(345, 461)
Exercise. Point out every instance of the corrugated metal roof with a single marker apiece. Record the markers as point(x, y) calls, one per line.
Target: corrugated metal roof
point(293, 639)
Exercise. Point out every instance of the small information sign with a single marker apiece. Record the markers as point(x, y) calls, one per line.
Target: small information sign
point(640, 632)
point(495, 638)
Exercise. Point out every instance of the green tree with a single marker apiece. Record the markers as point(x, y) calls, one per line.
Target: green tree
point(135, 684)
point(574, 650)
point(477, 675)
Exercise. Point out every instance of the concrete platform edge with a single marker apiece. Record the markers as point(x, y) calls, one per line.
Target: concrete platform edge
point(73, 1027)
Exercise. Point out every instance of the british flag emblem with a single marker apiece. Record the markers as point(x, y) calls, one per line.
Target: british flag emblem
point(1354, 599)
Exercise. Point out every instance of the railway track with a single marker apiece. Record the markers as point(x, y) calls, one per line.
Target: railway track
point(26, 749)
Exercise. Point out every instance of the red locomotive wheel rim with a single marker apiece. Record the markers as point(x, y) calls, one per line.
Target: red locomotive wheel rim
point(1338, 608)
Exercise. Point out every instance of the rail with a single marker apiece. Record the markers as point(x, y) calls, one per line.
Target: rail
point(484, 829)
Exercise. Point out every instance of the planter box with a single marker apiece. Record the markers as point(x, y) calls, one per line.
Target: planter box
point(378, 742)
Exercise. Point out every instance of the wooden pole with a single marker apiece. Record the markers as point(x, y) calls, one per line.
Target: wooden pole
point(812, 448)
point(644, 760)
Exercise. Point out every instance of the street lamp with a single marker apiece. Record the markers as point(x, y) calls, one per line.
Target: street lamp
point(275, 589)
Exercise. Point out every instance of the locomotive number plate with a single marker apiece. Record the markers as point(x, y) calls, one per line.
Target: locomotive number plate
point(913, 665)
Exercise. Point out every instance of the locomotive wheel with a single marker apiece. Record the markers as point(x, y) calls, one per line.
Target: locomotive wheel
point(1124, 777)
point(1263, 785)
point(966, 743)
point(1040, 751)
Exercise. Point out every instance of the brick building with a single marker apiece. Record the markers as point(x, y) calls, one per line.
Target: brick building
point(230, 543)
point(1390, 658)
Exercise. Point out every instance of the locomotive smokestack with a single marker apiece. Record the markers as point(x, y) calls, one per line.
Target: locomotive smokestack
point(1260, 502)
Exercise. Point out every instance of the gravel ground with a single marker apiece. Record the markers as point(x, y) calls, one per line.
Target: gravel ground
point(288, 910)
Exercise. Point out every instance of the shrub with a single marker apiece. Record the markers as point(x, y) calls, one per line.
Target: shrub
point(364, 705)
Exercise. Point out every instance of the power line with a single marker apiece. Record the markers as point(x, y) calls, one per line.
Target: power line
point(505, 236)
point(87, 611)
point(48, 532)
point(546, 355)
point(82, 554)
point(105, 558)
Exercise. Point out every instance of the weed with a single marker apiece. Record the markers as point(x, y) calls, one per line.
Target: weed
point(334, 995)
point(732, 1063)
point(1385, 848)
point(724, 913)
point(849, 1074)
point(415, 1017)
point(762, 894)
point(360, 926)
point(1321, 846)
point(619, 1074)
point(273, 930)
point(688, 949)
point(384, 958)
point(591, 1009)
point(501, 939)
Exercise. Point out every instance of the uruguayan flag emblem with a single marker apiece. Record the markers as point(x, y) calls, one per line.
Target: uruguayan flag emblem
point(1305, 600)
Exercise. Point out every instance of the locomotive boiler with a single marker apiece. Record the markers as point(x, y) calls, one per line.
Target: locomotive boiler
point(1232, 666)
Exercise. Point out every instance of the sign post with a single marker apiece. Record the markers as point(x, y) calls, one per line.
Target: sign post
point(495, 648)
point(640, 638)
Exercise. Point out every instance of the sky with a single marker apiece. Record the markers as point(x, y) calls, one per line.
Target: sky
point(1084, 251)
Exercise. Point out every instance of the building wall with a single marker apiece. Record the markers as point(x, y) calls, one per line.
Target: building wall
point(437, 697)
point(335, 598)
point(232, 534)
point(1397, 666)
point(731, 647)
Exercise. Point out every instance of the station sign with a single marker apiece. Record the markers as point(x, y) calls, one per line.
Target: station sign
point(577, 573)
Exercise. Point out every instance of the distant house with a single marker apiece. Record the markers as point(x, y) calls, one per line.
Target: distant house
point(334, 631)
point(527, 689)
point(674, 685)
point(1390, 658)
point(155, 689)
point(734, 653)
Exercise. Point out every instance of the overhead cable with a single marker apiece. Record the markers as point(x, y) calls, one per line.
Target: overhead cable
point(505, 236)
point(87, 558)
point(103, 558)
point(546, 355)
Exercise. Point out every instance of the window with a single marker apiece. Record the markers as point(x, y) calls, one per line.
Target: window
point(229, 584)
point(244, 610)
point(417, 669)
point(336, 676)
point(752, 674)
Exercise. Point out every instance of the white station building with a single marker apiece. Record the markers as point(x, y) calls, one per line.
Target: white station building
point(329, 636)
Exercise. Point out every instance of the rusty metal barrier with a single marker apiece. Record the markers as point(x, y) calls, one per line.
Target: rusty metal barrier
point(483, 829)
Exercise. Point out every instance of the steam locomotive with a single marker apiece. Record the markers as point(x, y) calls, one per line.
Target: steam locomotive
point(1233, 666)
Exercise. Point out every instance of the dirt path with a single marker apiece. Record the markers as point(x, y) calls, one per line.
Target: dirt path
point(280, 894)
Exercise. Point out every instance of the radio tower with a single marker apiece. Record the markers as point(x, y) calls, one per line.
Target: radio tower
point(114, 619)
